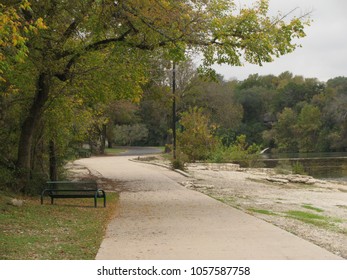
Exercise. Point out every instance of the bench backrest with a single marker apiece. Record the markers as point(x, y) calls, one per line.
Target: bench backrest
point(67, 185)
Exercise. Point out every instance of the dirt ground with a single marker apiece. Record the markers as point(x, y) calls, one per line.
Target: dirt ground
point(313, 209)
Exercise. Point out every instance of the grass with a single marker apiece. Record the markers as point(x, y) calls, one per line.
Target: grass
point(114, 151)
point(310, 207)
point(262, 211)
point(313, 219)
point(71, 229)
point(231, 200)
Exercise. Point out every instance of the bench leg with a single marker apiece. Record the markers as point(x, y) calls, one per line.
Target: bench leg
point(42, 195)
point(52, 200)
point(95, 202)
point(104, 197)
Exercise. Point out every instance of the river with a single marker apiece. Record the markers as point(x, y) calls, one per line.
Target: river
point(319, 165)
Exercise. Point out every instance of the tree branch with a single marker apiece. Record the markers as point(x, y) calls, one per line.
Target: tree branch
point(72, 27)
point(89, 48)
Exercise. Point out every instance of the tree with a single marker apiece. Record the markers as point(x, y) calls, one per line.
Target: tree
point(297, 90)
point(14, 33)
point(155, 112)
point(76, 30)
point(127, 135)
point(196, 139)
point(308, 126)
point(217, 98)
point(284, 131)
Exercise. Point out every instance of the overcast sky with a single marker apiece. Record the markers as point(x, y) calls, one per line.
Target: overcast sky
point(323, 54)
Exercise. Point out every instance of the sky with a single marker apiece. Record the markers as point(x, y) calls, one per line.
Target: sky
point(323, 54)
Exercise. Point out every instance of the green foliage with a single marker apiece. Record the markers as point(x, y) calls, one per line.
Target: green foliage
point(128, 135)
point(239, 151)
point(273, 37)
point(298, 168)
point(218, 99)
point(179, 162)
point(196, 139)
point(14, 33)
point(285, 135)
point(308, 126)
point(87, 54)
point(7, 176)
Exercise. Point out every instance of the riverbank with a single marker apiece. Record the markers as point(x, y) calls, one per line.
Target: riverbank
point(313, 209)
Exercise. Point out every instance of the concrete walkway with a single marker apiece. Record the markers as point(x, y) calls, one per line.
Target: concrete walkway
point(159, 219)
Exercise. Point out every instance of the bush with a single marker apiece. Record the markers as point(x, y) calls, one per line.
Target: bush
point(6, 177)
point(127, 135)
point(240, 152)
point(196, 140)
point(181, 159)
point(298, 168)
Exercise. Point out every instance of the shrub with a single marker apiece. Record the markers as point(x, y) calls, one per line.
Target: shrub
point(240, 152)
point(298, 168)
point(196, 140)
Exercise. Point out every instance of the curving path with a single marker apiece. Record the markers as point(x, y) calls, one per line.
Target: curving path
point(159, 219)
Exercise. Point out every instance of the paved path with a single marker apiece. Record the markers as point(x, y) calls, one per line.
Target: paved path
point(160, 219)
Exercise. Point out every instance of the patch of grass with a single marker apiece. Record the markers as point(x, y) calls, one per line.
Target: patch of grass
point(305, 215)
point(226, 199)
point(262, 211)
point(310, 207)
point(229, 200)
point(68, 230)
point(114, 151)
point(313, 219)
point(162, 148)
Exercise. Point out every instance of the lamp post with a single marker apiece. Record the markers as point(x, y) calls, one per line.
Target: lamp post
point(174, 109)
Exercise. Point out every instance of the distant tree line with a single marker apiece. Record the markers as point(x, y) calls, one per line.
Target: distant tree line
point(286, 113)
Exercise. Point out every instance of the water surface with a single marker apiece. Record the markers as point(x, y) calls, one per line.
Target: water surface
point(319, 165)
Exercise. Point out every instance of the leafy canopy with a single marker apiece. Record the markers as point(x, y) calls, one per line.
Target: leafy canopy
point(14, 33)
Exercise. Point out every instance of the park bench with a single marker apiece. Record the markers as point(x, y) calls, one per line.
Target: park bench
point(73, 189)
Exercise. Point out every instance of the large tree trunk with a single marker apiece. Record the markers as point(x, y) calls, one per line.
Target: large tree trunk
point(29, 125)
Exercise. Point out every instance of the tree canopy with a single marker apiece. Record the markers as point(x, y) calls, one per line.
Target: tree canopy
point(88, 52)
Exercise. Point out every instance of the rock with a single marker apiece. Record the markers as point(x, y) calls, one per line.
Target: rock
point(16, 202)
point(297, 179)
point(192, 185)
point(277, 180)
point(200, 186)
point(311, 181)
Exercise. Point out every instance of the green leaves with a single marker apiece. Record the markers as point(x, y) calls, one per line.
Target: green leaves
point(15, 30)
point(196, 140)
point(94, 52)
point(249, 34)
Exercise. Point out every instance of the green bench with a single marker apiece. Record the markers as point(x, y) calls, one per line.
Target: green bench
point(73, 189)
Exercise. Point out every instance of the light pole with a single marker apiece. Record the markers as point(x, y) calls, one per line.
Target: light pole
point(174, 109)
